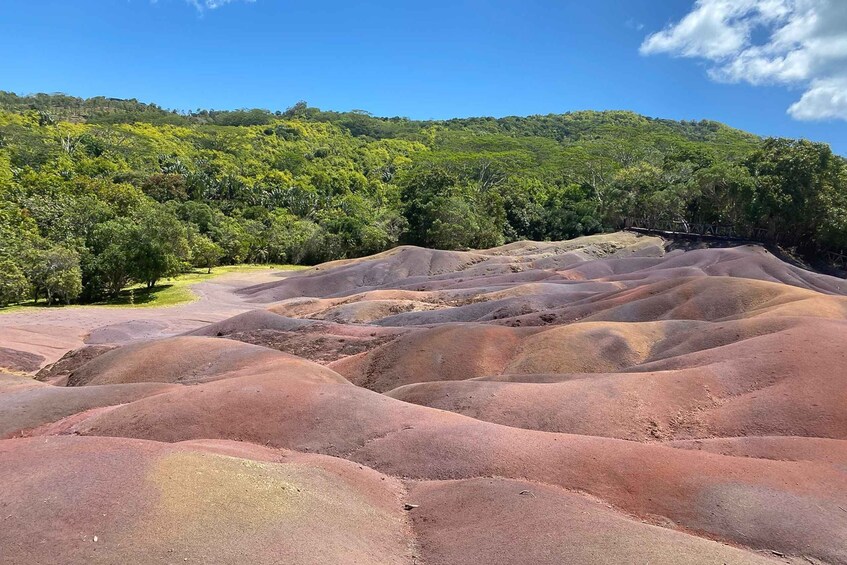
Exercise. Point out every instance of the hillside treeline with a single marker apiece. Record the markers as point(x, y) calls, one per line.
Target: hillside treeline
point(99, 194)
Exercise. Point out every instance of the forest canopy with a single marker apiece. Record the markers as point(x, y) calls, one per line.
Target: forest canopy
point(97, 194)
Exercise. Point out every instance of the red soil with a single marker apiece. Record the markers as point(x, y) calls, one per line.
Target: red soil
point(593, 401)
point(98, 500)
point(188, 360)
point(470, 521)
point(686, 487)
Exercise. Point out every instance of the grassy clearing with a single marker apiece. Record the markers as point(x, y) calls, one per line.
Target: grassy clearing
point(177, 290)
point(170, 292)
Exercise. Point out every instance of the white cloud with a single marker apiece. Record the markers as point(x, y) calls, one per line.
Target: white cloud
point(213, 4)
point(792, 42)
point(825, 98)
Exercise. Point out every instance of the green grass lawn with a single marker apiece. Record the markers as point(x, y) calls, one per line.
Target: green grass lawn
point(169, 292)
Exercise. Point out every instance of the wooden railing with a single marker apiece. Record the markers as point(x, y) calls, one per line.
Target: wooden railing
point(717, 232)
point(836, 259)
point(679, 227)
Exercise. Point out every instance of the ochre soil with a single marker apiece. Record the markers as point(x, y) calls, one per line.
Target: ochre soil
point(600, 400)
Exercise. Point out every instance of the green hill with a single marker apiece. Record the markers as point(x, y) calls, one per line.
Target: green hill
point(112, 192)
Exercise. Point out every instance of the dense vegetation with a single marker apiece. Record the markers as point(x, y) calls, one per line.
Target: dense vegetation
point(98, 194)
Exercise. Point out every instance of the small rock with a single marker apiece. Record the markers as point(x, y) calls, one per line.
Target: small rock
point(408, 506)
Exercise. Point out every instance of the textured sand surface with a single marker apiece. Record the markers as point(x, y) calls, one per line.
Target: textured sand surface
point(600, 400)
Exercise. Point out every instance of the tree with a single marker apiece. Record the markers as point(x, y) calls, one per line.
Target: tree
point(456, 224)
point(832, 231)
point(794, 180)
point(164, 187)
point(569, 213)
point(128, 186)
point(725, 194)
point(444, 210)
point(200, 214)
point(160, 246)
point(419, 188)
point(56, 273)
point(205, 253)
point(233, 239)
point(292, 240)
point(14, 286)
point(110, 267)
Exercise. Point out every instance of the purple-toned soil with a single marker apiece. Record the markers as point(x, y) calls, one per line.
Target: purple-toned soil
point(599, 400)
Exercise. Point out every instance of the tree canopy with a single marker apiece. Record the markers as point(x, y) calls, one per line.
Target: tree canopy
point(97, 194)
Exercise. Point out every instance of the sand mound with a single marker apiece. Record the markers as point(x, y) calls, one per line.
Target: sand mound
point(187, 360)
point(411, 267)
point(316, 340)
point(292, 412)
point(753, 502)
point(466, 351)
point(250, 321)
point(58, 372)
point(22, 361)
point(781, 448)
point(692, 298)
point(735, 380)
point(790, 507)
point(588, 247)
point(449, 352)
point(317, 307)
point(365, 312)
point(540, 283)
point(593, 401)
point(124, 332)
point(126, 501)
point(26, 404)
point(467, 521)
point(748, 261)
point(392, 266)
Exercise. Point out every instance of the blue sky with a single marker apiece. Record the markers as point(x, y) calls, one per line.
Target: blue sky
point(664, 58)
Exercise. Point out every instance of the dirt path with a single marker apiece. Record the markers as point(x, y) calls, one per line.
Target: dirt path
point(32, 338)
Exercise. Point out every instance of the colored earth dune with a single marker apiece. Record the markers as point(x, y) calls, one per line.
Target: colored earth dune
point(609, 399)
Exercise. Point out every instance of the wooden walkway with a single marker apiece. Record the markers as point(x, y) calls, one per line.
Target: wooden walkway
point(833, 259)
point(693, 235)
